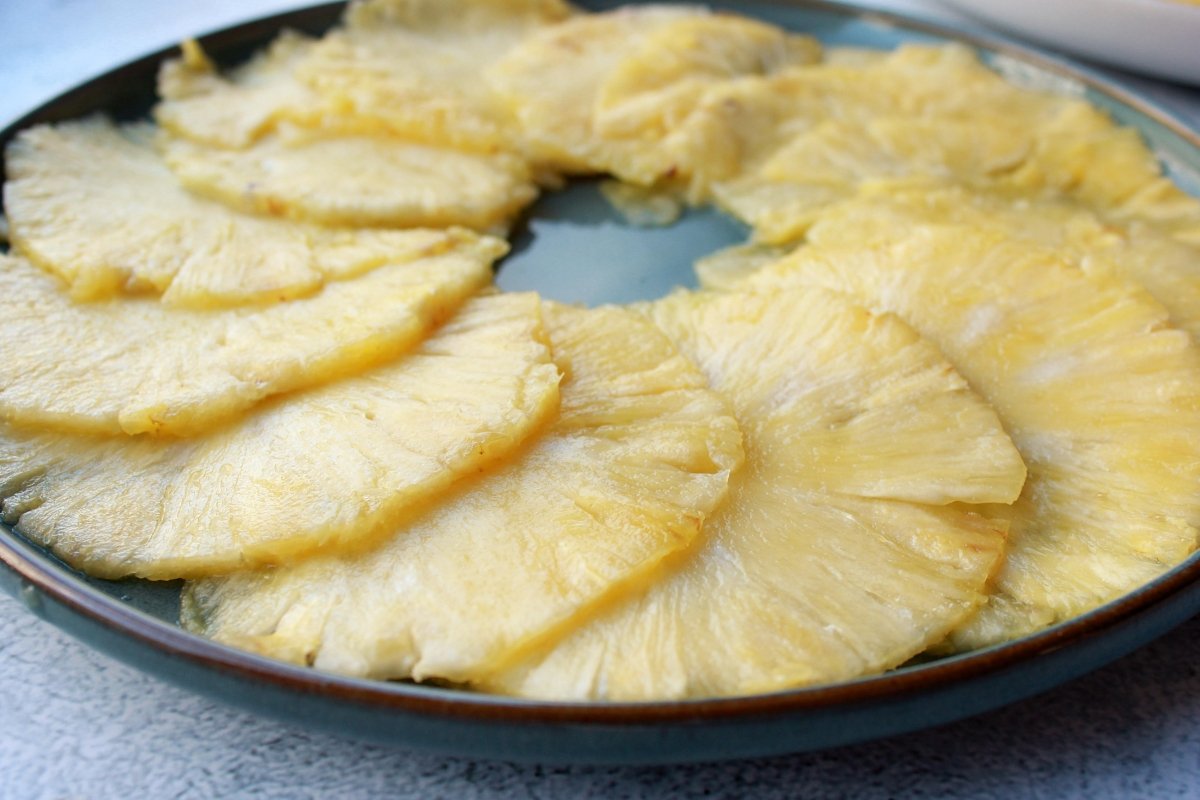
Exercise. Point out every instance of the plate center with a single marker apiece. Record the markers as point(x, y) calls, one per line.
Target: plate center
point(575, 247)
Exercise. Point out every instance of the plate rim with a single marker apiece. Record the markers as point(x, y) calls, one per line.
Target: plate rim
point(38, 573)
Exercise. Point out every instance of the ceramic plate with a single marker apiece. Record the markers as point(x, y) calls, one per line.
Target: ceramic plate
point(135, 620)
point(1158, 37)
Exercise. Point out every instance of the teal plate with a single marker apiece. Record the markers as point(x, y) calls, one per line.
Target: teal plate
point(574, 247)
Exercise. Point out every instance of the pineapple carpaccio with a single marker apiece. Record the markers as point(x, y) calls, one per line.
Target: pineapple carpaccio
point(839, 552)
point(1100, 395)
point(600, 92)
point(639, 456)
point(94, 204)
point(357, 180)
point(131, 365)
point(470, 394)
point(252, 342)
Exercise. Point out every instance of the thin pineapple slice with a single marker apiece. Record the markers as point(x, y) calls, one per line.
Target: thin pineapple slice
point(355, 455)
point(1083, 154)
point(94, 204)
point(728, 267)
point(414, 67)
point(1101, 397)
point(598, 93)
point(357, 180)
point(235, 110)
point(551, 81)
point(1168, 268)
point(774, 150)
point(836, 554)
point(640, 454)
point(133, 365)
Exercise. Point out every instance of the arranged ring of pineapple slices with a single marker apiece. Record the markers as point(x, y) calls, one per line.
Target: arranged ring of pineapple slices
point(356, 180)
point(133, 365)
point(838, 553)
point(333, 467)
point(1100, 395)
point(640, 454)
point(598, 92)
point(1167, 267)
point(459, 546)
point(95, 204)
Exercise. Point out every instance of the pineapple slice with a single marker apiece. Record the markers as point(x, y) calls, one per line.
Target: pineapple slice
point(357, 181)
point(728, 267)
point(133, 365)
point(1101, 397)
point(774, 150)
point(598, 93)
point(1168, 268)
point(837, 553)
point(355, 456)
point(1083, 154)
point(94, 204)
point(414, 67)
point(406, 67)
point(235, 111)
point(640, 454)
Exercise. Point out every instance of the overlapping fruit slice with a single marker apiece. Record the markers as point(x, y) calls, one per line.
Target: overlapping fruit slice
point(1100, 395)
point(134, 365)
point(1083, 154)
point(598, 93)
point(414, 67)
point(355, 179)
point(845, 546)
point(640, 454)
point(1167, 267)
point(384, 122)
point(235, 110)
point(94, 204)
point(774, 150)
point(331, 467)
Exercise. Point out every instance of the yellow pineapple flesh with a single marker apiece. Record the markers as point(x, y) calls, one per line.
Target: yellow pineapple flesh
point(133, 365)
point(1141, 251)
point(235, 110)
point(1081, 153)
point(357, 180)
point(333, 467)
point(94, 204)
point(728, 267)
point(846, 545)
point(1100, 395)
point(598, 93)
point(640, 454)
point(414, 68)
point(774, 150)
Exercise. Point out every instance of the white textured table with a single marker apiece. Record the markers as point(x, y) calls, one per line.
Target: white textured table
point(75, 724)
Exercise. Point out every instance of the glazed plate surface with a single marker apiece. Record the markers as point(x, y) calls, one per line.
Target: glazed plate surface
point(573, 247)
